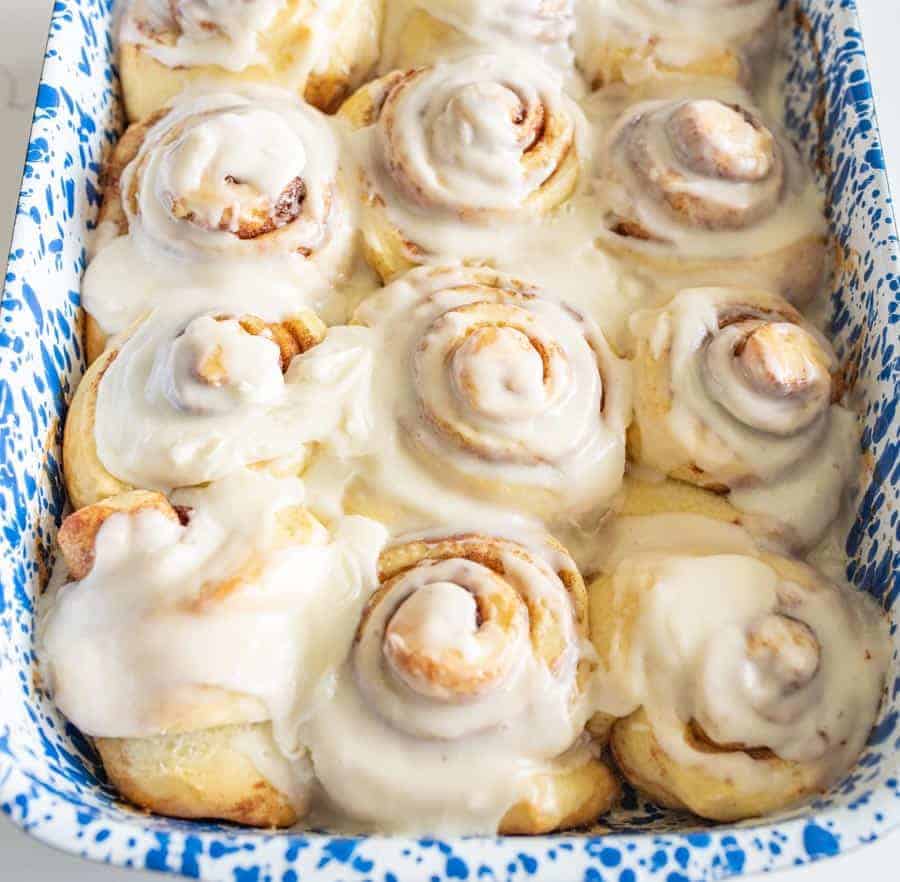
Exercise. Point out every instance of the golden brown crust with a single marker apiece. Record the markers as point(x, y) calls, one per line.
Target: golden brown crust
point(148, 84)
point(488, 551)
point(196, 775)
point(649, 767)
point(387, 249)
point(87, 479)
point(640, 756)
point(563, 800)
point(78, 533)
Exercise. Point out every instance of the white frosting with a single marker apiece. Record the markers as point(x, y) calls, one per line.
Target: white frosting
point(473, 752)
point(226, 157)
point(479, 384)
point(745, 186)
point(723, 639)
point(668, 33)
point(181, 431)
point(228, 33)
point(544, 27)
point(732, 417)
point(144, 639)
point(453, 403)
point(217, 169)
point(453, 152)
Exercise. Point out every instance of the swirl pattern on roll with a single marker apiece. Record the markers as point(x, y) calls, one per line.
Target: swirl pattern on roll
point(472, 138)
point(451, 149)
point(467, 660)
point(747, 699)
point(237, 173)
point(420, 32)
point(735, 391)
point(186, 624)
point(488, 387)
point(697, 187)
point(209, 392)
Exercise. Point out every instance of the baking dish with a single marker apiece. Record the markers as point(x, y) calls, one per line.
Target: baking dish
point(49, 781)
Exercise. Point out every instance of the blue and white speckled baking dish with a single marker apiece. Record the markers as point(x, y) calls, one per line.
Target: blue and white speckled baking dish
point(50, 782)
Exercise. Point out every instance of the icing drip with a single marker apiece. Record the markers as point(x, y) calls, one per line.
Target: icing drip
point(750, 392)
point(489, 390)
point(705, 176)
point(782, 660)
point(205, 397)
point(210, 617)
point(477, 703)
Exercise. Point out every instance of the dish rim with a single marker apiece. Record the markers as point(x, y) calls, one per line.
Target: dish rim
point(271, 850)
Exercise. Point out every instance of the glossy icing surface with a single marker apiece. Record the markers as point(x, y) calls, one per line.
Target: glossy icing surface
point(813, 837)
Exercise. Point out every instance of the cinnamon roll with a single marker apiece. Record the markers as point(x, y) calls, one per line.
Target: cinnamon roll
point(735, 392)
point(319, 49)
point(754, 679)
point(633, 40)
point(490, 397)
point(191, 637)
point(210, 192)
point(205, 394)
point(454, 151)
point(421, 32)
point(697, 188)
point(468, 665)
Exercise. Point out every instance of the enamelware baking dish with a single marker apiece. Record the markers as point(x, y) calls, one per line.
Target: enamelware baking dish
point(49, 780)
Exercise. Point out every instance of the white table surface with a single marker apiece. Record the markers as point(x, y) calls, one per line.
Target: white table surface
point(22, 34)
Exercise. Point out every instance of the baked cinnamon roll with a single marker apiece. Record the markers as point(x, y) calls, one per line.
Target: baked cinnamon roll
point(700, 189)
point(735, 392)
point(468, 667)
point(754, 679)
point(185, 641)
point(186, 399)
point(489, 397)
point(421, 32)
point(211, 191)
point(452, 151)
point(320, 50)
point(633, 40)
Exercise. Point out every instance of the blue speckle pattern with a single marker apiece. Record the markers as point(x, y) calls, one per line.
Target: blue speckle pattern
point(50, 782)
